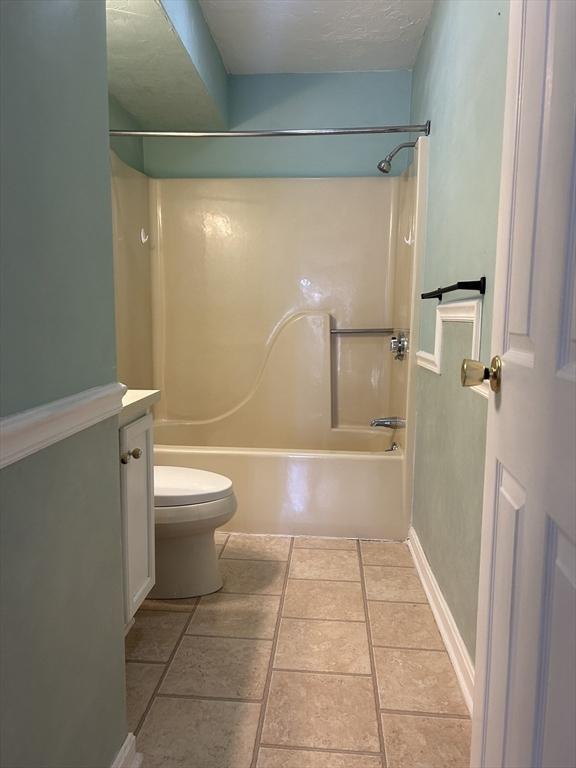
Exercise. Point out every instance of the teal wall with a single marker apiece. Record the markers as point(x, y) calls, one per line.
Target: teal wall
point(188, 21)
point(458, 83)
point(295, 101)
point(450, 444)
point(57, 300)
point(62, 685)
point(130, 150)
point(62, 661)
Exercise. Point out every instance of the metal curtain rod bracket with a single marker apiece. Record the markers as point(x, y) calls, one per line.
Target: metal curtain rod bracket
point(461, 285)
point(424, 128)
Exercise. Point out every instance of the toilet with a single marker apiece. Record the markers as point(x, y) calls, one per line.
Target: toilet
point(189, 505)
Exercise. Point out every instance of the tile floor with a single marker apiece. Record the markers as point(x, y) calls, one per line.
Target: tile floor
point(317, 653)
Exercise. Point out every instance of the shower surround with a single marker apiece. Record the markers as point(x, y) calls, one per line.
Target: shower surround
point(249, 279)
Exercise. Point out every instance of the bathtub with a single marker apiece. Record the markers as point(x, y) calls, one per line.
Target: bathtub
point(306, 492)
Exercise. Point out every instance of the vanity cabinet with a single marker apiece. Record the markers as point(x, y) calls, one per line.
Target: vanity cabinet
point(137, 505)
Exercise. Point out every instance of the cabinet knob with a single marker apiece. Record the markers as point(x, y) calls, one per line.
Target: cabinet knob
point(135, 453)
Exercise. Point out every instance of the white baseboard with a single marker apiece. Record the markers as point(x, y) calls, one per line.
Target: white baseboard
point(127, 757)
point(457, 651)
point(27, 432)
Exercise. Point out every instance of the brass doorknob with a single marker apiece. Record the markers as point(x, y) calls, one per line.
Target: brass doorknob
point(473, 373)
point(135, 453)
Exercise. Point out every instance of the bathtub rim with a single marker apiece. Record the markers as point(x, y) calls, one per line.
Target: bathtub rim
point(305, 453)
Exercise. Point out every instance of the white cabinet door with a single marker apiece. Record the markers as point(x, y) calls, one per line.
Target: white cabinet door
point(137, 481)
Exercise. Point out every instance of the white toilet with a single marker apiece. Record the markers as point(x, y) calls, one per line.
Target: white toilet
point(189, 505)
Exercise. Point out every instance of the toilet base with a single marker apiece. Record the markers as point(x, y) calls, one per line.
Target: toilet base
point(186, 566)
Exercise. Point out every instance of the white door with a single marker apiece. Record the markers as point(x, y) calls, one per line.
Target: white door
point(137, 488)
point(525, 693)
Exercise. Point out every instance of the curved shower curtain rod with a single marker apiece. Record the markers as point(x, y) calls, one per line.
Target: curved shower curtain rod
point(424, 128)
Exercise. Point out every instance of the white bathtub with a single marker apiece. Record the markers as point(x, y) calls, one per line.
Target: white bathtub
point(306, 492)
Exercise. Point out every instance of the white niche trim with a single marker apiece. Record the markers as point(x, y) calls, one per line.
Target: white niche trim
point(469, 311)
point(28, 432)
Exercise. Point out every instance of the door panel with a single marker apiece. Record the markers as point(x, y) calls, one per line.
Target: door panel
point(524, 709)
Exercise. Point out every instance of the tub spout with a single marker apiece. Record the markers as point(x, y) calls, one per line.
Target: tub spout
point(392, 422)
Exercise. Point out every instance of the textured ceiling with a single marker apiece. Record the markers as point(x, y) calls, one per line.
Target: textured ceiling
point(150, 71)
point(273, 36)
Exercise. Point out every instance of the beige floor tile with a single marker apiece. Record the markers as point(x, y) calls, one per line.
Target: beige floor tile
point(395, 584)
point(236, 616)
point(252, 577)
point(182, 733)
point(218, 666)
point(327, 711)
point(324, 564)
point(154, 635)
point(141, 681)
point(386, 553)
point(322, 542)
point(323, 646)
point(426, 742)
point(182, 605)
point(242, 546)
point(337, 600)
point(405, 625)
point(418, 681)
point(268, 757)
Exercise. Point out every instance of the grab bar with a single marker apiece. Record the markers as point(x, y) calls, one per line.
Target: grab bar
point(362, 331)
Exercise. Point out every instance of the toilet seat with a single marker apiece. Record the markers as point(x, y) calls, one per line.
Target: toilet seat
point(182, 486)
point(182, 521)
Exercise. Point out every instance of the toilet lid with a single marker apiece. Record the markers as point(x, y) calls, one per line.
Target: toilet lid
point(181, 486)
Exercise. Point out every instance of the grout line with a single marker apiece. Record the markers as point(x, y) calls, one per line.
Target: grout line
point(245, 594)
point(398, 602)
point(415, 650)
point(313, 578)
point(388, 565)
point(372, 660)
point(414, 713)
point(325, 750)
point(233, 637)
point(327, 549)
point(315, 618)
point(145, 661)
point(256, 594)
point(268, 681)
point(198, 697)
point(253, 559)
point(164, 673)
point(322, 672)
point(169, 609)
point(191, 609)
point(407, 648)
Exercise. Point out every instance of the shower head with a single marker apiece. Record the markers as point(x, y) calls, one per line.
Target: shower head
point(385, 166)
